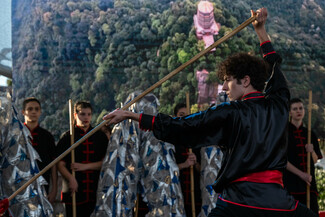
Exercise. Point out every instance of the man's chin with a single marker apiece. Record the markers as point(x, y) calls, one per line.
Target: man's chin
point(85, 125)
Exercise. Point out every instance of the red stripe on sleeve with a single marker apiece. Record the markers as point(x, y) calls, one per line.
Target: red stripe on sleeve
point(269, 53)
point(265, 42)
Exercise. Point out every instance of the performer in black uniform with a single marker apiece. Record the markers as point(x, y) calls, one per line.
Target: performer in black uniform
point(297, 178)
point(43, 143)
point(185, 160)
point(250, 129)
point(88, 162)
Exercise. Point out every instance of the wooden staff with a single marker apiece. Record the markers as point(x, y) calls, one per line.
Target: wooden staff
point(191, 168)
point(5, 202)
point(309, 142)
point(71, 113)
point(136, 208)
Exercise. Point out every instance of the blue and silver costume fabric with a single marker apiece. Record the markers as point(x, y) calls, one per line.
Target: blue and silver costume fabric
point(211, 158)
point(136, 162)
point(18, 165)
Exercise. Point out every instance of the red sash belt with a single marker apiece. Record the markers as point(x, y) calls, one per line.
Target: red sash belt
point(268, 176)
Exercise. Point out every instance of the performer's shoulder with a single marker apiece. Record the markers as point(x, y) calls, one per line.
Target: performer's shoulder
point(65, 134)
point(45, 131)
point(101, 134)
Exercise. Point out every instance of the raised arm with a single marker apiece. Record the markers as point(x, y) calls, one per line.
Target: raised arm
point(259, 24)
point(277, 84)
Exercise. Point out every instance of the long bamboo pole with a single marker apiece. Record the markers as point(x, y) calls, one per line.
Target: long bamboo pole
point(191, 168)
point(136, 208)
point(167, 77)
point(309, 142)
point(71, 113)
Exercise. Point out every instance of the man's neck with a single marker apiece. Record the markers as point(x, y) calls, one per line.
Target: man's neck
point(83, 128)
point(249, 90)
point(296, 123)
point(31, 125)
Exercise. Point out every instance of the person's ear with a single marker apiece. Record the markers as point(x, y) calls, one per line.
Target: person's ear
point(246, 81)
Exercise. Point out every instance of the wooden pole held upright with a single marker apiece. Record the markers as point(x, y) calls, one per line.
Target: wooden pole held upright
point(191, 168)
point(136, 207)
point(309, 142)
point(71, 113)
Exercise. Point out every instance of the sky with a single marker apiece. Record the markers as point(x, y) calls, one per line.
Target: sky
point(5, 32)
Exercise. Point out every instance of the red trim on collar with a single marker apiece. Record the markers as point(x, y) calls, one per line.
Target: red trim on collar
point(268, 41)
point(254, 97)
point(268, 176)
point(30, 129)
point(242, 98)
point(85, 131)
point(297, 129)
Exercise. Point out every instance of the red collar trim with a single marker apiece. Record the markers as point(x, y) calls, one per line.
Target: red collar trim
point(297, 128)
point(30, 129)
point(253, 95)
point(85, 131)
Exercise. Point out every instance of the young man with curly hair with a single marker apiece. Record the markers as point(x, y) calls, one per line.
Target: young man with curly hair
point(250, 130)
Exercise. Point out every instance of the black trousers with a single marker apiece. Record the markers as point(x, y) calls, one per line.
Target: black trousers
point(224, 209)
point(313, 201)
point(83, 210)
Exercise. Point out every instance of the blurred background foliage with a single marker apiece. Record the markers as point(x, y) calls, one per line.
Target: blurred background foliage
point(102, 50)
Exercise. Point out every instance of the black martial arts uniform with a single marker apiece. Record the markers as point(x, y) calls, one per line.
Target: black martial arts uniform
point(297, 156)
point(181, 154)
point(43, 143)
point(251, 132)
point(91, 150)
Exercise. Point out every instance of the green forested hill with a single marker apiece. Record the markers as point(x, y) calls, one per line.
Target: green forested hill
point(102, 50)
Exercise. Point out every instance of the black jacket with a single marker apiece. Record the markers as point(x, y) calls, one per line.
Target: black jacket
point(251, 132)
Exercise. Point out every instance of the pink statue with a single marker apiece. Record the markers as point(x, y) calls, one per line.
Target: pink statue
point(205, 24)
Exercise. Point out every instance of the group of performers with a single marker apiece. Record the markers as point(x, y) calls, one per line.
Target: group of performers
point(250, 129)
point(88, 156)
point(258, 170)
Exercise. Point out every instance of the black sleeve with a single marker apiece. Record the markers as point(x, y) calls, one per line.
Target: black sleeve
point(103, 142)
point(63, 145)
point(277, 85)
point(315, 143)
point(52, 147)
point(195, 130)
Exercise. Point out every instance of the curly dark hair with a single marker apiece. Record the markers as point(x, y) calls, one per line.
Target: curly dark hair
point(241, 64)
